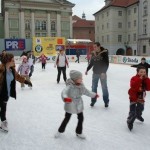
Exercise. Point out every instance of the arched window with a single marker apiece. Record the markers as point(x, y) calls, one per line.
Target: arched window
point(27, 25)
point(145, 8)
point(53, 25)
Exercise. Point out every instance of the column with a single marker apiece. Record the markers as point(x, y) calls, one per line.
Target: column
point(6, 24)
point(48, 24)
point(58, 24)
point(32, 24)
point(71, 24)
point(22, 24)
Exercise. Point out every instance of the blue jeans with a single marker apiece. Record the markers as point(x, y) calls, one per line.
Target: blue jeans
point(95, 79)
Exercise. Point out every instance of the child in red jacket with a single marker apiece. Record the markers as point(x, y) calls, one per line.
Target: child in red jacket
point(139, 84)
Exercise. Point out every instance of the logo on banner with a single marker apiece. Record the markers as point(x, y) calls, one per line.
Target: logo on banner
point(14, 44)
point(38, 48)
point(38, 41)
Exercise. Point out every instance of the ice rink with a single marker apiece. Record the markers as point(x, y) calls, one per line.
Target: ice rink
point(35, 116)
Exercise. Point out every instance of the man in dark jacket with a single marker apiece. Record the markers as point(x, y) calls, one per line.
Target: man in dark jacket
point(77, 55)
point(144, 64)
point(100, 63)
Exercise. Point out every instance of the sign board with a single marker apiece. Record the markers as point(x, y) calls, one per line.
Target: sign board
point(47, 45)
point(14, 44)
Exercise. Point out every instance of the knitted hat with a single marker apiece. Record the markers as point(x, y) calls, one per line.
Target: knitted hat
point(74, 74)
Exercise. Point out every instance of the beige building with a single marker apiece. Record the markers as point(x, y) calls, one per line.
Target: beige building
point(40, 18)
point(144, 28)
point(116, 26)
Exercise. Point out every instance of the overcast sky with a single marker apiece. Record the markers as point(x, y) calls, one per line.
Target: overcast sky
point(89, 7)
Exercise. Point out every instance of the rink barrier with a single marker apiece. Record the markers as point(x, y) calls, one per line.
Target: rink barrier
point(116, 59)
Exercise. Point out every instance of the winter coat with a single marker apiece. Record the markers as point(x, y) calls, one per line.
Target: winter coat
point(138, 85)
point(61, 61)
point(43, 59)
point(75, 92)
point(99, 61)
point(24, 68)
point(3, 83)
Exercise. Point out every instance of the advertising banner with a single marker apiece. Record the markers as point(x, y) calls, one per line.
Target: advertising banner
point(47, 45)
point(14, 44)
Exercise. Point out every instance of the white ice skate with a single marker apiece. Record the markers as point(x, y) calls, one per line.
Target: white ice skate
point(4, 126)
point(57, 135)
point(82, 136)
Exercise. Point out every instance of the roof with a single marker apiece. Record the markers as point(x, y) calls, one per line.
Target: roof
point(79, 40)
point(84, 23)
point(119, 3)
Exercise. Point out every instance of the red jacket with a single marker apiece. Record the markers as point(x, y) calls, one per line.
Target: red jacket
point(136, 87)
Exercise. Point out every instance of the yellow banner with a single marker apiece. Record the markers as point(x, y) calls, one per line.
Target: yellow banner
point(47, 45)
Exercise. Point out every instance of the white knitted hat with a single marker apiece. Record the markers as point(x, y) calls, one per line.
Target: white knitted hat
point(74, 74)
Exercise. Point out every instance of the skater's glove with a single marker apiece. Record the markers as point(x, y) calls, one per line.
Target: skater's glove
point(68, 100)
point(96, 96)
point(28, 83)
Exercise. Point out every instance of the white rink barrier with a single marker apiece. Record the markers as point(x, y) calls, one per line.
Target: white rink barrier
point(117, 59)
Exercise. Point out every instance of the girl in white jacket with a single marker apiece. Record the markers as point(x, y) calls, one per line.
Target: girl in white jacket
point(24, 69)
point(71, 96)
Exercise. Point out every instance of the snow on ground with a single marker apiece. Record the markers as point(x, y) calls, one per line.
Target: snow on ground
point(35, 116)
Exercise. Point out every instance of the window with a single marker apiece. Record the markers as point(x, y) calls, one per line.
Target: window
point(27, 25)
point(119, 25)
point(103, 39)
point(134, 10)
point(145, 8)
point(13, 35)
point(145, 27)
point(43, 25)
point(144, 49)
point(40, 34)
point(28, 35)
point(129, 24)
point(40, 25)
point(128, 37)
point(53, 25)
point(107, 14)
point(134, 23)
point(134, 37)
point(53, 34)
point(107, 38)
point(102, 27)
point(119, 13)
point(119, 38)
point(129, 12)
point(107, 25)
point(102, 15)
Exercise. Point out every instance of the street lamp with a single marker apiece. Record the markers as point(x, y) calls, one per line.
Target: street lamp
point(126, 46)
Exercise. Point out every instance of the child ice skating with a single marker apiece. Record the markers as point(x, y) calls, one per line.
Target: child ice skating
point(139, 84)
point(23, 70)
point(72, 97)
point(43, 59)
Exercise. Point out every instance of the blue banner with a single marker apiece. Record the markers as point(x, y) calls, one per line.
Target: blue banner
point(14, 44)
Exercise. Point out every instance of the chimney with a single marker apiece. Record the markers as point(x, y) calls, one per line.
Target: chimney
point(107, 2)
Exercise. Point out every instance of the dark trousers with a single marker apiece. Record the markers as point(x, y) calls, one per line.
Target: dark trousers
point(135, 111)
point(31, 70)
point(43, 65)
point(77, 60)
point(63, 70)
point(66, 120)
point(3, 106)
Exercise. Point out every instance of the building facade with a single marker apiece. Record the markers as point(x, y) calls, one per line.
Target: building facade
point(121, 27)
point(83, 29)
point(39, 18)
point(144, 27)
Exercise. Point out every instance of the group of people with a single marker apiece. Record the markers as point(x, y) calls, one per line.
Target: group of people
point(72, 93)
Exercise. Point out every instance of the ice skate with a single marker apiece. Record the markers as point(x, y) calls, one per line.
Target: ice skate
point(82, 136)
point(140, 118)
point(4, 126)
point(57, 135)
